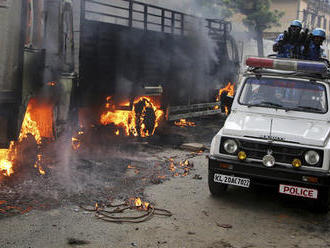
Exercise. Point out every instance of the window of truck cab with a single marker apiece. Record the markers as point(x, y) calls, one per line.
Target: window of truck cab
point(287, 94)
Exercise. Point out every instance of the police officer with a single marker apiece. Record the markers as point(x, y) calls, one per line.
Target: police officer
point(286, 44)
point(312, 48)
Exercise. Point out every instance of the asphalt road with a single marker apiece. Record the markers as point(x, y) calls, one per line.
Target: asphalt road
point(240, 218)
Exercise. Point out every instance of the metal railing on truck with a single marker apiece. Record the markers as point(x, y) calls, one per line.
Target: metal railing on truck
point(138, 15)
point(149, 17)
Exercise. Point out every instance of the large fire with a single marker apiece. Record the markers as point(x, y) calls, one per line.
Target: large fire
point(38, 123)
point(230, 89)
point(141, 121)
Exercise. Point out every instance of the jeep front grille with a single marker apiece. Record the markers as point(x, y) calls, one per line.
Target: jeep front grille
point(282, 153)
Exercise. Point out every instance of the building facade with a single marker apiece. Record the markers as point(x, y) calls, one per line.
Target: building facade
point(312, 13)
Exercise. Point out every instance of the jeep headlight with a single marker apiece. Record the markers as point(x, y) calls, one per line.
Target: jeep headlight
point(230, 146)
point(312, 157)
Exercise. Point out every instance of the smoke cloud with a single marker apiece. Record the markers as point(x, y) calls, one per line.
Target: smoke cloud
point(190, 67)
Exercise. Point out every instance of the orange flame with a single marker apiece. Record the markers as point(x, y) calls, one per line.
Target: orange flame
point(6, 160)
point(230, 88)
point(75, 143)
point(184, 163)
point(41, 171)
point(6, 166)
point(139, 204)
point(177, 170)
point(172, 166)
point(184, 123)
point(146, 205)
point(29, 127)
point(37, 122)
point(38, 164)
point(133, 122)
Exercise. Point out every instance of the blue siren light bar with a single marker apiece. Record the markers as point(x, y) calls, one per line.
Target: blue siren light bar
point(287, 65)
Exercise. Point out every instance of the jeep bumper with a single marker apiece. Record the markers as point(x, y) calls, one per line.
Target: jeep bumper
point(261, 175)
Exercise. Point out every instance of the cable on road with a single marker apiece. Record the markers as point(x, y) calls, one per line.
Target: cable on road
point(109, 215)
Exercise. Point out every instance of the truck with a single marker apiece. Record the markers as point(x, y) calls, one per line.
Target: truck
point(66, 58)
point(277, 133)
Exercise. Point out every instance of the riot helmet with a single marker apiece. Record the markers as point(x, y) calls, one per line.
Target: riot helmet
point(296, 26)
point(296, 23)
point(318, 36)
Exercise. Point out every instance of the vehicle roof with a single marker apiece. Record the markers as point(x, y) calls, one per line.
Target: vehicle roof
point(285, 74)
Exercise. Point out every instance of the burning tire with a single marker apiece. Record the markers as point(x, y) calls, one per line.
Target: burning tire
point(145, 118)
point(216, 189)
point(141, 121)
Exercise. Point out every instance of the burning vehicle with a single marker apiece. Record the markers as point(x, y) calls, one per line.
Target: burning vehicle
point(73, 65)
point(277, 133)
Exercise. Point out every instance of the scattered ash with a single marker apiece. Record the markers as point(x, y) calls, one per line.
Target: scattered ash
point(83, 178)
point(105, 167)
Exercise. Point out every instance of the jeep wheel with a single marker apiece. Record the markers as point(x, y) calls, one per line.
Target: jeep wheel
point(216, 189)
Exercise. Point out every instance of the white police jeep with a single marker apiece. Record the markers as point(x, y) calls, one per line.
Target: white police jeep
point(278, 131)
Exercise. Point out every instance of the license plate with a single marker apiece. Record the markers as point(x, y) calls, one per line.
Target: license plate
point(238, 181)
point(298, 191)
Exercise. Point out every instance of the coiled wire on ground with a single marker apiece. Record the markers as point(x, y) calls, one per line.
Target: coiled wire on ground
point(108, 215)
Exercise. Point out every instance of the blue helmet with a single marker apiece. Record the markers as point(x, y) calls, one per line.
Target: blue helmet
point(296, 23)
point(319, 32)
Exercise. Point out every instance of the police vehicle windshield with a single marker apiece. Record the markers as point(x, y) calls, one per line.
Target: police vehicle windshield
point(290, 95)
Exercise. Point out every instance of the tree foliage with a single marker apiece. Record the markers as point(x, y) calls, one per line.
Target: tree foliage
point(257, 13)
point(258, 16)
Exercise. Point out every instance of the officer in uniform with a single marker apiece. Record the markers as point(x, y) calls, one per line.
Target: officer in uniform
point(312, 49)
point(286, 43)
